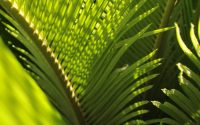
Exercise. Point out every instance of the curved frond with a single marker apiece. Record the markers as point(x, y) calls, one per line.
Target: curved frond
point(186, 106)
point(72, 51)
point(42, 65)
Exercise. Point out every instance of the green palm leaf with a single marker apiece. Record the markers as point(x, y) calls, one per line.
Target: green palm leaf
point(72, 51)
point(186, 109)
point(183, 13)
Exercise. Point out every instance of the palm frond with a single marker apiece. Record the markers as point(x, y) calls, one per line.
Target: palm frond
point(72, 51)
point(43, 71)
point(183, 13)
point(186, 106)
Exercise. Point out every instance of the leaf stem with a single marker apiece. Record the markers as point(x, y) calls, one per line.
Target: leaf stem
point(164, 22)
point(197, 14)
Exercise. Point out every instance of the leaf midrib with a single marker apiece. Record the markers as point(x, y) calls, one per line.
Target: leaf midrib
point(48, 55)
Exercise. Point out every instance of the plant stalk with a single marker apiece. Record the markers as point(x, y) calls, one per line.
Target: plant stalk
point(164, 23)
point(197, 14)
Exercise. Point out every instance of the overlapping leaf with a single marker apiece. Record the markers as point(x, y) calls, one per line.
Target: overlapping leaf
point(21, 100)
point(78, 44)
